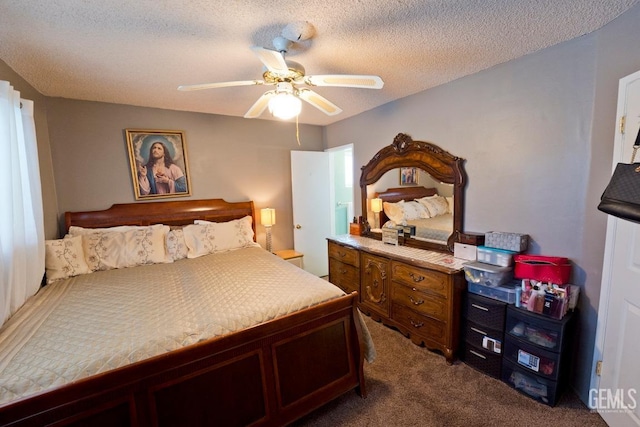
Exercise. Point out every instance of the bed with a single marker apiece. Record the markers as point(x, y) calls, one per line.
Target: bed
point(437, 228)
point(262, 364)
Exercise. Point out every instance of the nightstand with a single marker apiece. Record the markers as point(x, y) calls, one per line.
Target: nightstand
point(291, 256)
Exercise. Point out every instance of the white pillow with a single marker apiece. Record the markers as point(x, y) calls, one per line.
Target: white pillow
point(211, 237)
point(415, 210)
point(394, 211)
point(436, 205)
point(450, 204)
point(106, 250)
point(176, 246)
point(64, 258)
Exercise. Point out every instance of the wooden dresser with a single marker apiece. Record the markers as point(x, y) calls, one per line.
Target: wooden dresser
point(416, 291)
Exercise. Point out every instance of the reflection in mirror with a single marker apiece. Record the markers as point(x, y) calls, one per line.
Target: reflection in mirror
point(426, 205)
point(418, 184)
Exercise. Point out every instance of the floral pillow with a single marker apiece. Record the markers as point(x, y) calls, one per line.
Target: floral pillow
point(106, 250)
point(64, 258)
point(414, 210)
point(176, 245)
point(206, 237)
point(394, 211)
point(436, 205)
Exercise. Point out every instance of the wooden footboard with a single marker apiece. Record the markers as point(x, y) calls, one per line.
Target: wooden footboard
point(267, 375)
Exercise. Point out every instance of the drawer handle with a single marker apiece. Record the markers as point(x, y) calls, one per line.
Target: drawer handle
point(343, 271)
point(342, 254)
point(478, 331)
point(416, 302)
point(479, 307)
point(478, 354)
point(416, 324)
point(415, 278)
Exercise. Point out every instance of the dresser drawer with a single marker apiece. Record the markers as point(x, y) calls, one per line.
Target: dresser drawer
point(422, 302)
point(485, 311)
point(344, 254)
point(425, 280)
point(420, 324)
point(344, 276)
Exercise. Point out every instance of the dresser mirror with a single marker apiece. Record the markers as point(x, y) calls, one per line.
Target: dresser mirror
point(417, 184)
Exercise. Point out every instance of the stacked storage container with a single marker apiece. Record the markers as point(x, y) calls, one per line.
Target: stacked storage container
point(491, 289)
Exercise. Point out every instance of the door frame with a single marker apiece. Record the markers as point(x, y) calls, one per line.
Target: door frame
point(332, 178)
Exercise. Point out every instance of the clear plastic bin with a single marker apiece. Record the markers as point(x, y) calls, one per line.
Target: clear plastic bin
point(499, 257)
point(505, 293)
point(487, 274)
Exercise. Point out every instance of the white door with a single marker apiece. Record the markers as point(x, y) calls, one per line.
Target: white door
point(310, 186)
point(616, 395)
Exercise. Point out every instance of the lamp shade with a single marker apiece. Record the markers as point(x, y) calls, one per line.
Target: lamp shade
point(285, 106)
point(268, 217)
point(376, 205)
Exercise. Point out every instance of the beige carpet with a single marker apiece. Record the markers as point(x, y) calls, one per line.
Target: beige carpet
point(410, 386)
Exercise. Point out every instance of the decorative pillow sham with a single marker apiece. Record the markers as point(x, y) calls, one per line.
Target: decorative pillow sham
point(436, 205)
point(74, 230)
point(414, 210)
point(394, 211)
point(64, 258)
point(206, 237)
point(176, 245)
point(106, 250)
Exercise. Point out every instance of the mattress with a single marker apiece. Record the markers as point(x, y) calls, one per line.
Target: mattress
point(89, 324)
point(436, 229)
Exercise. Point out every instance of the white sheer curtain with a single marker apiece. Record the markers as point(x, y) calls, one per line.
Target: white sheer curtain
point(21, 217)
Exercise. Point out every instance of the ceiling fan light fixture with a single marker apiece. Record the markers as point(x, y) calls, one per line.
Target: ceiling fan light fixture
point(285, 106)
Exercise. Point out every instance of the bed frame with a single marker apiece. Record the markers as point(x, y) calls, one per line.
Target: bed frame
point(267, 375)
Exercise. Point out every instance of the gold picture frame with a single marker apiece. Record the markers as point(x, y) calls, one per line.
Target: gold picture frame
point(409, 176)
point(158, 161)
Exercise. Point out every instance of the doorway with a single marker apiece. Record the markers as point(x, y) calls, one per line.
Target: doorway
point(322, 195)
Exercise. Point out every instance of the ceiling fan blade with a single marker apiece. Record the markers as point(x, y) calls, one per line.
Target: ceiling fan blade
point(320, 102)
point(272, 59)
point(221, 84)
point(259, 106)
point(345, 80)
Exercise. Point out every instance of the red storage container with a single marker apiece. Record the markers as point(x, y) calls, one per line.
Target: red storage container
point(543, 268)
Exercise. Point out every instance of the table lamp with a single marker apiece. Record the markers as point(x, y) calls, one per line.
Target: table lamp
point(376, 207)
point(268, 218)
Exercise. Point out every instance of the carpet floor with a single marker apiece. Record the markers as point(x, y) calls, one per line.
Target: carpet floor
point(408, 385)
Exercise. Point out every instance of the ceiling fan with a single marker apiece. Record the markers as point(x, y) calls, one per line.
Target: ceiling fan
point(288, 77)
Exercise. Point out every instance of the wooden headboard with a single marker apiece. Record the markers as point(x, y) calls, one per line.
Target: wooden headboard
point(394, 195)
point(181, 212)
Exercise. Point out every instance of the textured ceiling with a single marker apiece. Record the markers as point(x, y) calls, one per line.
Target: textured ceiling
point(138, 52)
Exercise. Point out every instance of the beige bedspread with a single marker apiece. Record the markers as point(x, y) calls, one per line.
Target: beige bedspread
point(96, 322)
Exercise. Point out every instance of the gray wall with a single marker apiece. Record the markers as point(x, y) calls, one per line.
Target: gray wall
point(230, 158)
point(537, 135)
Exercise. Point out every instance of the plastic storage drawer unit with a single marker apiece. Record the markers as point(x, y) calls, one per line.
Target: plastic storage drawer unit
point(544, 332)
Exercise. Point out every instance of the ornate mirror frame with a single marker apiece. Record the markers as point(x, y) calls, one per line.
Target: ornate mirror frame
point(441, 165)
